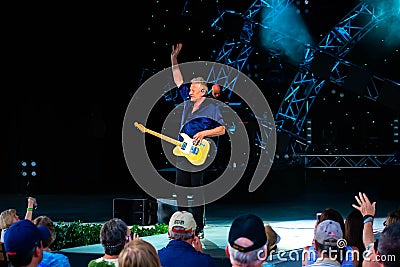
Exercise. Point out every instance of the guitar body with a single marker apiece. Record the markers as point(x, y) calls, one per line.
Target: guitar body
point(195, 154)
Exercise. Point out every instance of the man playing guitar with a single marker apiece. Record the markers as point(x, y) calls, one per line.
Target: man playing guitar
point(201, 118)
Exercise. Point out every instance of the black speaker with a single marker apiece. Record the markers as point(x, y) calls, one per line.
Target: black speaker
point(135, 211)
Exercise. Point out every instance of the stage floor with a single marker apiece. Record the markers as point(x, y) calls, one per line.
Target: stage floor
point(291, 216)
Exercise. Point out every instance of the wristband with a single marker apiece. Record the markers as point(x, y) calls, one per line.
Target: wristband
point(367, 216)
point(29, 209)
point(369, 219)
point(370, 245)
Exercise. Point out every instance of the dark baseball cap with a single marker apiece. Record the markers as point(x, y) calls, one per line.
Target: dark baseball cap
point(251, 227)
point(23, 236)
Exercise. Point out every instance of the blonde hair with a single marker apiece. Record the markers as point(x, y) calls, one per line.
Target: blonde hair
point(137, 253)
point(6, 218)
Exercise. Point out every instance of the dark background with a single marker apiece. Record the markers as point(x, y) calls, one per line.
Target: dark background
point(71, 71)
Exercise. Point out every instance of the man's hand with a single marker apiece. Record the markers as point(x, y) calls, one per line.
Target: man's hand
point(176, 72)
point(197, 244)
point(32, 202)
point(175, 50)
point(198, 137)
point(365, 206)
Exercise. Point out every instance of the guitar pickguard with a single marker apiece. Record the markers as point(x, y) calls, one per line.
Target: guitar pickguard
point(195, 154)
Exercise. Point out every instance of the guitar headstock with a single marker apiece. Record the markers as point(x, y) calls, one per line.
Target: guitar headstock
point(140, 127)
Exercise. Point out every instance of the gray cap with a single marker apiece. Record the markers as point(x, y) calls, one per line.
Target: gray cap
point(328, 232)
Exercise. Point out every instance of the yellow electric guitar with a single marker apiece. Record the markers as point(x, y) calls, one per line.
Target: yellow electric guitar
point(195, 154)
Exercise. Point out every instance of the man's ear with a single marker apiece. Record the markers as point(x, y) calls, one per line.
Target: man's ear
point(378, 255)
point(227, 251)
point(316, 245)
point(38, 251)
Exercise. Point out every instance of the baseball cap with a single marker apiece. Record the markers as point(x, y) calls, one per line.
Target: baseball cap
point(249, 226)
point(23, 236)
point(184, 219)
point(328, 232)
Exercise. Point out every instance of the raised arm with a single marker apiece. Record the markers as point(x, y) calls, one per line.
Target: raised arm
point(367, 210)
point(29, 208)
point(176, 72)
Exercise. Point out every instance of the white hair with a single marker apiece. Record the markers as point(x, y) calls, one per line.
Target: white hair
point(247, 259)
point(180, 236)
point(202, 83)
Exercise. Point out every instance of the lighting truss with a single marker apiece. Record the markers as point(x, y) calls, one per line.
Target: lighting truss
point(347, 161)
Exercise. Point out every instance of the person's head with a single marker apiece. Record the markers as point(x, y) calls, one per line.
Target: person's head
point(389, 245)
point(393, 216)
point(23, 243)
point(334, 215)
point(326, 236)
point(182, 225)
point(113, 236)
point(198, 89)
point(247, 241)
point(216, 90)
point(354, 225)
point(47, 222)
point(139, 252)
point(7, 218)
point(273, 239)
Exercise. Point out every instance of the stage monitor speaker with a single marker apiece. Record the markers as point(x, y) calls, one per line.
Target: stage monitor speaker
point(167, 207)
point(322, 65)
point(357, 80)
point(135, 211)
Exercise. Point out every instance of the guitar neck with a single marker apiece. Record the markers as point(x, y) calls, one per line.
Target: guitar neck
point(164, 137)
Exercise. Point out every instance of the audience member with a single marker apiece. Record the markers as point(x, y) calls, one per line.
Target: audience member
point(367, 210)
point(247, 241)
point(23, 243)
point(273, 239)
point(327, 237)
point(184, 249)
point(388, 253)
point(392, 216)
point(138, 252)
point(354, 226)
point(50, 259)
point(114, 234)
point(310, 253)
point(10, 216)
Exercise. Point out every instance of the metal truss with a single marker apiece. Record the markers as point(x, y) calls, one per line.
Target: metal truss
point(305, 86)
point(235, 53)
point(347, 161)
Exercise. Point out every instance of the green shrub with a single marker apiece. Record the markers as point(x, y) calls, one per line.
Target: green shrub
point(76, 234)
